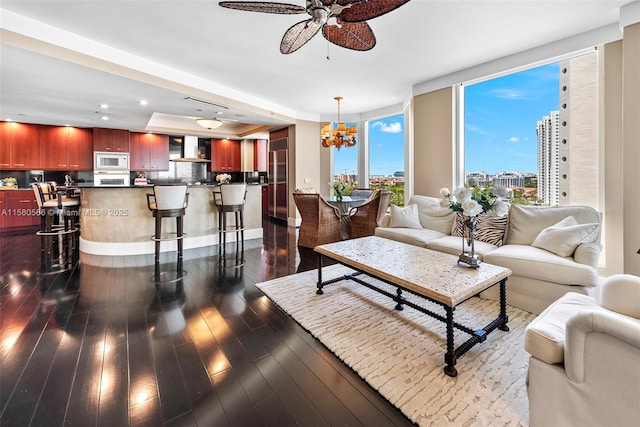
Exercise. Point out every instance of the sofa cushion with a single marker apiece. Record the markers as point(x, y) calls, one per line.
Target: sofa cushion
point(453, 245)
point(535, 263)
point(409, 235)
point(406, 217)
point(489, 228)
point(564, 237)
point(526, 222)
point(432, 215)
point(545, 336)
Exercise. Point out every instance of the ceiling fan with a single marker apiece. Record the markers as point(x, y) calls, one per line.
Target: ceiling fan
point(342, 21)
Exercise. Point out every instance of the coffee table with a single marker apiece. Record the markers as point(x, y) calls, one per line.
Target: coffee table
point(432, 275)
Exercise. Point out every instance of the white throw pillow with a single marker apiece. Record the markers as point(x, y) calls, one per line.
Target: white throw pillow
point(406, 217)
point(564, 237)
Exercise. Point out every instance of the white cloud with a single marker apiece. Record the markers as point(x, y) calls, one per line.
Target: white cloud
point(514, 139)
point(395, 127)
point(508, 93)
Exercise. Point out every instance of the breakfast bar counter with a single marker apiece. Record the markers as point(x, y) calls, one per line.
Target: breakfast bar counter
point(116, 220)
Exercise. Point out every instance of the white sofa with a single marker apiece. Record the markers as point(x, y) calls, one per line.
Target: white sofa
point(539, 276)
point(584, 368)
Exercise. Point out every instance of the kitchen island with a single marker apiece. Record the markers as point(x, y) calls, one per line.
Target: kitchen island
point(116, 220)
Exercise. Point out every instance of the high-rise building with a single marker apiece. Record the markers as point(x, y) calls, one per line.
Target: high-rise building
point(548, 158)
point(578, 131)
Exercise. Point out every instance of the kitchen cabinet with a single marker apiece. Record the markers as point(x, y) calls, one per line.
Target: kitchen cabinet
point(260, 155)
point(115, 140)
point(19, 146)
point(80, 149)
point(19, 209)
point(225, 155)
point(149, 152)
point(66, 148)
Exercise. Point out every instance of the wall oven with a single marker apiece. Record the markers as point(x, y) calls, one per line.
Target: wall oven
point(111, 179)
point(103, 161)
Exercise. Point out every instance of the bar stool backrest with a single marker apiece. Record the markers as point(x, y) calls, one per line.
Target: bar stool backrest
point(170, 196)
point(40, 190)
point(232, 194)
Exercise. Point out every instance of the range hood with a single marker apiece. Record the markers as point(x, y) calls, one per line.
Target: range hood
point(190, 151)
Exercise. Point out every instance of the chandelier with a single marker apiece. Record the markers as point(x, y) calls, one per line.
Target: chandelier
point(340, 135)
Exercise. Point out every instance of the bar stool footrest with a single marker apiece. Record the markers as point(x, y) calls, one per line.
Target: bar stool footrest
point(165, 237)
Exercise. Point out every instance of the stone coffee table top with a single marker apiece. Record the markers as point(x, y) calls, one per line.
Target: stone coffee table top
point(430, 273)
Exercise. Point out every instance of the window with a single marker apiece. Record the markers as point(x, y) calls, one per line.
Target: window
point(386, 156)
point(536, 132)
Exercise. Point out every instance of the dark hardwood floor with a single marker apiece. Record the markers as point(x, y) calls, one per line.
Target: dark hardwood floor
point(102, 345)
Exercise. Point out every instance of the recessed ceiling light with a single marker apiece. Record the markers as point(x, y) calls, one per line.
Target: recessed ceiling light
point(142, 102)
point(8, 120)
point(104, 106)
point(104, 118)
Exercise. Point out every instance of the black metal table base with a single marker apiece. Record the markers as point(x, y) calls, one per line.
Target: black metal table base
point(452, 354)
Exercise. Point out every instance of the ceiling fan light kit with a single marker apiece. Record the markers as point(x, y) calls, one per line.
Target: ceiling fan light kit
point(339, 135)
point(342, 21)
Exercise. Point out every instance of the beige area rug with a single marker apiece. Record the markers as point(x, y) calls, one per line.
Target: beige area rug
point(401, 353)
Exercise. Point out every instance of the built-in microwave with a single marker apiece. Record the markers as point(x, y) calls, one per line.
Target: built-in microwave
point(103, 161)
point(111, 179)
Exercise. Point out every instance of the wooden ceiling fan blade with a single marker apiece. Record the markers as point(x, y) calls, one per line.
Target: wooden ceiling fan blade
point(364, 10)
point(297, 35)
point(264, 7)
point(350, 35)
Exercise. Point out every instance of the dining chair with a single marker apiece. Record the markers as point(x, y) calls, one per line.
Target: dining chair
point(364, 219)
point(320, 221)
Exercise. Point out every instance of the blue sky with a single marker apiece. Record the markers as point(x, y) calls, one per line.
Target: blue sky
point(500, 126)
point(500, 119)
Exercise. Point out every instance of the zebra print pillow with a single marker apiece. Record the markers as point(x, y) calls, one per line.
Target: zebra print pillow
point(489, 229)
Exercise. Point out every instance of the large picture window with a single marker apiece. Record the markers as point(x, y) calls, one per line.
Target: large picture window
point(535, 132)
point(386, 156)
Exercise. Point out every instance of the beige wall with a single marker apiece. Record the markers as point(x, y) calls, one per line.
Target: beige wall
point(433, 149)
point(613, 226)
point(304, 170)
point(631, 146)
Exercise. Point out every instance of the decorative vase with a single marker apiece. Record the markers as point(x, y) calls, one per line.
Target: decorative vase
point(338, 197)
point(225, 181)
point(468, 257)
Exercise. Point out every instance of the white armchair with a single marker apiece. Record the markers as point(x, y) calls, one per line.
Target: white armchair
point(584, 367)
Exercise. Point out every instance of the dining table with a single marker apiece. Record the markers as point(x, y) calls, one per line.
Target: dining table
point(345, 205)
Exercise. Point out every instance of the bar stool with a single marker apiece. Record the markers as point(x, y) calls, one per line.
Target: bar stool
point(230, 199)
point(58, 229)
point(168, 201)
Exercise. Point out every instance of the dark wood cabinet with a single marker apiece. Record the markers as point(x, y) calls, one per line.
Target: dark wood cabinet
point(5, 145)
point(115, 140)
point(149, 152)
point(19, 146)
point(19, 209)
point(55, 147)
point(80, 149)
point(25, 146)
point(66, 148)
point(225, 155)
point(260, 155)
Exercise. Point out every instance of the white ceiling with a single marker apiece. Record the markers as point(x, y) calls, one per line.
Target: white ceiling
point(61, 59)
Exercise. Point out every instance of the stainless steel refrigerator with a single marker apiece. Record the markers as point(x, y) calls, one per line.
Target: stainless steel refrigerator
point(278, 187)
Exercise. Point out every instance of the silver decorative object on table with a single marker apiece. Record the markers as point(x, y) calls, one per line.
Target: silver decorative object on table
point(468, 256)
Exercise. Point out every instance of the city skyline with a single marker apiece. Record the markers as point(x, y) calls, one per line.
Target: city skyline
point(501, 116)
